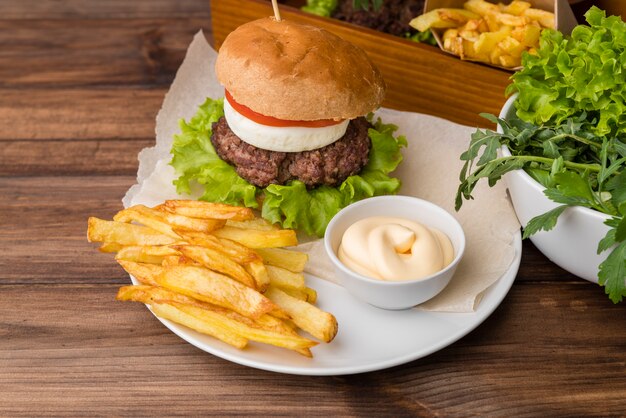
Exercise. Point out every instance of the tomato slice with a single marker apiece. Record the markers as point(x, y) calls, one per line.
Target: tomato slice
point(272, 121)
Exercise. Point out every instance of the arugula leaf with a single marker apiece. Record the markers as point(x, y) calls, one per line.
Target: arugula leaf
point(291, 205)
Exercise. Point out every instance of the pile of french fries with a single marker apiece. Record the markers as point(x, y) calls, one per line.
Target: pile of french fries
point(216, 269)
point(495, 34)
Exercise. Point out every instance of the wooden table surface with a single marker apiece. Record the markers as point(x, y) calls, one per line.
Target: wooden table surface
point(80, 85)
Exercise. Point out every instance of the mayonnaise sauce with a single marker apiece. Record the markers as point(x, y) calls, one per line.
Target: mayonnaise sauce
point(388, 248)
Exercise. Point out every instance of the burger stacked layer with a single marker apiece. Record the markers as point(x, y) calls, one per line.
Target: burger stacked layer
point(291, 136)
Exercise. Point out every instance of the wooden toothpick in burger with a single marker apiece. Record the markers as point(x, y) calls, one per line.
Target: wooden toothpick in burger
point(276, 11)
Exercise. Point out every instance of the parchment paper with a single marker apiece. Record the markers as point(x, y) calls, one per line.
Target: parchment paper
point(430, 171)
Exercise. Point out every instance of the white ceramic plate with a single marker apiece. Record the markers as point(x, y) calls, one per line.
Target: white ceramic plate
point(369, 338)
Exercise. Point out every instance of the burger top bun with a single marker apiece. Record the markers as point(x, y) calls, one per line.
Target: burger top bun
point(298, 72)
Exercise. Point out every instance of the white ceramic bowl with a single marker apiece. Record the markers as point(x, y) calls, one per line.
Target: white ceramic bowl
point(400, 294)
point(573, 242)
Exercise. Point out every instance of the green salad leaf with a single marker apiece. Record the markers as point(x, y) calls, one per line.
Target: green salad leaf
point(322, 8)
point(569, 134)
point(569, 76)
point(291, 205)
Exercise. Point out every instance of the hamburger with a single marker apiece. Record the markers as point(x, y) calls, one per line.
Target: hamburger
point(291, 136)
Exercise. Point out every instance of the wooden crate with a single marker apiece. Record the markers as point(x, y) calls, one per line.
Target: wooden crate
point(419, 78)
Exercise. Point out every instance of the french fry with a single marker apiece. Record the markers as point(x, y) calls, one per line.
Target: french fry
point(285, 279)
point(178, 260)
point(248, 331)
point(99, 230)
point(253, 238)
point(516, 7)
point(485, 38)
point(441, 19)
point(110, 247)
point(185, 223)
point(527, 35)
point(481, 7)
point(214, 260)
point(287, 259)
point(145, 273)
point(259, 272)
point(207, 210)
point(320, 324)
point(296, 293)
point(232, 249)
point(311, 295)
point(228, 326)
point(256, 223)
point(215, 288)
point(199, 267)
point(149, 217)
point(487, 41)
point(148, 294)
point(545, 18)
point(210, 323)
point(152, 254)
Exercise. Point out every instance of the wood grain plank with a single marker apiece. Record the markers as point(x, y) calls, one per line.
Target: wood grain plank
point(43, 224)
point(73, 350)
point(69, 157)
point(92, 9)
point(89, 52)
point(79, 113)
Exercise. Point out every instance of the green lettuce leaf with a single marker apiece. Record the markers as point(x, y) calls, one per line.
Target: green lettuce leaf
point(290, 205)
point(569, 77)
point(320, 7)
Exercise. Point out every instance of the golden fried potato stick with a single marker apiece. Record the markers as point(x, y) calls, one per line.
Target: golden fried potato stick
point(178, 260)
point(287, 259)
point(207, 210)
point(516, 7)
point(481, 7)
point(256, 223)
point(152, 254)
point(223, 323)
point(148, 217)
point(258, 271)
point(214, 260)
point(311, 295)
point(249, 331)
point(442, 18)
point(237, 252)
point(145, 273)
point(320, 324)
point(215, 288)
point(285, 279)
point(546, 19)
point(99, 230)
point(187, 223)
point(253, 238)
point(110, 247)
point(212, 325)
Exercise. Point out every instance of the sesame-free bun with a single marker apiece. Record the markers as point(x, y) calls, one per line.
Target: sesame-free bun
point(298, 72)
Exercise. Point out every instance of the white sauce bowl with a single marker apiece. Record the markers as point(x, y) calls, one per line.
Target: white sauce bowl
point(394, 294)
point(573, 242)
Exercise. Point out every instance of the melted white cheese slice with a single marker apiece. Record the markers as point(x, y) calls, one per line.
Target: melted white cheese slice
point(282, 139)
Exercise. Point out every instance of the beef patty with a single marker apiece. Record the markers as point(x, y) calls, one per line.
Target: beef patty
point(329, 165)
